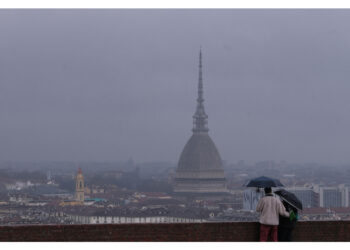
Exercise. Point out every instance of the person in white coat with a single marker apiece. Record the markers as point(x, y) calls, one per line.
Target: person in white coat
point(270, 208)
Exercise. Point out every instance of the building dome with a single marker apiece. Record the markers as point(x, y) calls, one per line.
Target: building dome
point(200, 157)
point(200, 167)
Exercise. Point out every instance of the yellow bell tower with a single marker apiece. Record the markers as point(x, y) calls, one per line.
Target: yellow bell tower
point(79, 186)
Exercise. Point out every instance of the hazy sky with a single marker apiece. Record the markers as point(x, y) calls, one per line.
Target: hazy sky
point(105, 85)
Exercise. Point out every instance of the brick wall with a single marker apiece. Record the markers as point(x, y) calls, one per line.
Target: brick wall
point(230, 231)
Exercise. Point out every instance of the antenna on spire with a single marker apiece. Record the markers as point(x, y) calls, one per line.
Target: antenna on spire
point(200, 117)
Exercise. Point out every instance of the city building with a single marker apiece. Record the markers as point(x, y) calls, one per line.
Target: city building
point(344, 195)
point(251, 197)
point(308, 196)
point(200, 168)
point(330, 197)
point(79, 186)
point(334, 196)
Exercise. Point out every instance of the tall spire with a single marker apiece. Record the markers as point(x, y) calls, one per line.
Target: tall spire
point(200, 117)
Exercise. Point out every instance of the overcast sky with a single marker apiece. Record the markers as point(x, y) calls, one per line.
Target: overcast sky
point(105, 85)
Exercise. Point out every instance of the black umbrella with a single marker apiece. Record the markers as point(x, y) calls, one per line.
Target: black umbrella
point(290, 198)
point(262, 182)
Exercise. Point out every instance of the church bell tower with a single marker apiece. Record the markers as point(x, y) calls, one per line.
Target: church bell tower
point(79, 186)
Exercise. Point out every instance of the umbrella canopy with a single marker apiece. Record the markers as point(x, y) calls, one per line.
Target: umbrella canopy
point(290, 198)
point(263, 182)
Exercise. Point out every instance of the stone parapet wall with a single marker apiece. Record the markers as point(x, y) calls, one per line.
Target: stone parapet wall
point(229, 231)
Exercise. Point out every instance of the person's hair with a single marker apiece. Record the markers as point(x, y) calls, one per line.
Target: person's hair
point(268, 190)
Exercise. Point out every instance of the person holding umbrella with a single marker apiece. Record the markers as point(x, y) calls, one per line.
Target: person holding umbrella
point(286, 225)
point(270, 208)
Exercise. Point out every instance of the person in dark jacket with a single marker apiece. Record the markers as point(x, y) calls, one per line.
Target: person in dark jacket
point(286, 226)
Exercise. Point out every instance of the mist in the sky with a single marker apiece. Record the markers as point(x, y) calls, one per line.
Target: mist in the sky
point(105, 85)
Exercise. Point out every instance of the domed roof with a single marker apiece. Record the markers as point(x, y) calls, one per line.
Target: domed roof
point(200, 154)
point(200, 168)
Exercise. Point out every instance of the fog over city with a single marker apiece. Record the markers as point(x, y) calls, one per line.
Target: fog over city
point(107, 85)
